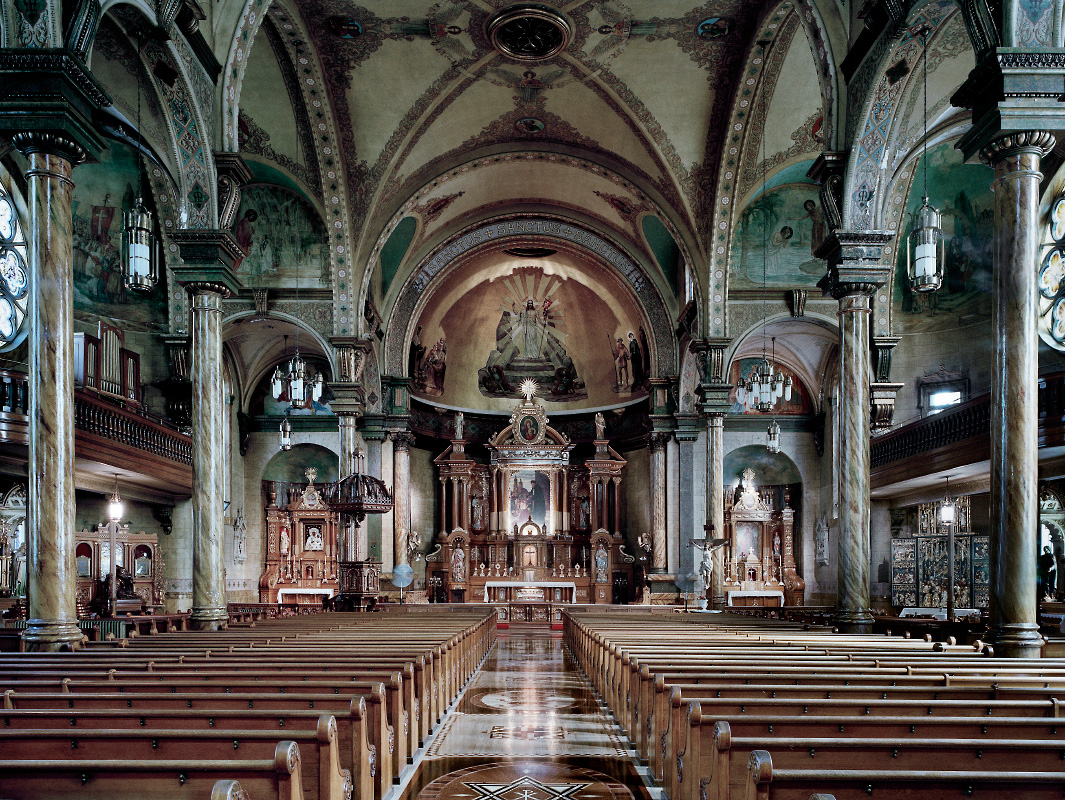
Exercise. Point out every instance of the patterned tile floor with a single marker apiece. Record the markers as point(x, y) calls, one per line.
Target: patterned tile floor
point(528, 727)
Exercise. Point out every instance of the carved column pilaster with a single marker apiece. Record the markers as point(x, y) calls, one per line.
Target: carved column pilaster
point(657, 442)
point(855, 271)
point(208, 257)
point(402, 441)
point(714, 389)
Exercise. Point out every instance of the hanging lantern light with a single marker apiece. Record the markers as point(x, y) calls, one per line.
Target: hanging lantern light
point(138, 243)
point(947, 508)
point(115, 507)
point(925, 253)
point(286, 434)
point(772, 443)
point(925, 257)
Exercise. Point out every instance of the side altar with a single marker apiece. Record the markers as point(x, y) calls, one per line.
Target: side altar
point(760, 565)
point(530, 526)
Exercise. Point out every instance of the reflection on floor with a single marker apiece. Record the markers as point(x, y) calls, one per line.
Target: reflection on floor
point(527, 728)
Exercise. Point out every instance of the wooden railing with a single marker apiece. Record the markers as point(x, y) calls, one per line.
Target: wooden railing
point(958, 436)
point(950, 426)
point(135, 428)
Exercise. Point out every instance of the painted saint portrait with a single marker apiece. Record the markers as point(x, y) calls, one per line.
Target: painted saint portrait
point(782, 230)
point(528, 428)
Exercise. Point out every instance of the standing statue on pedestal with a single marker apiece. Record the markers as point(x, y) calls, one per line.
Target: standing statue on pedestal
point(458, 566)
point(600, 425)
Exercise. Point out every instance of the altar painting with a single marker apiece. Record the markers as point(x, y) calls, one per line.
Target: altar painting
point(530, 498)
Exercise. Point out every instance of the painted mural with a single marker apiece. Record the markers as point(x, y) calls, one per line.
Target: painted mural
point(962, 192)
point(103, 192)
point(800, 402)
point(284, 239)
point(530, 323)
point(784, 226)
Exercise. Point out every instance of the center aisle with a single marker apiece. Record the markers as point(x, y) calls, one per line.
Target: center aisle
point(528, 728)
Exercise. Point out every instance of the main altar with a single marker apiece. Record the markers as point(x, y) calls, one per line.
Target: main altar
point(760, 550)
point(529, 526)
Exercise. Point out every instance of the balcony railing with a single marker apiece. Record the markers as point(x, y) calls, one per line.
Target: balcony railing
point(135, 428)
point(959, 435)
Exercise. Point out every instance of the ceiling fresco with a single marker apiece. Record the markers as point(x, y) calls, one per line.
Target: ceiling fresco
point(644, 84)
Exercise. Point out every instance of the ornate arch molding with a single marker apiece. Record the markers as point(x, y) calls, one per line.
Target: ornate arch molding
point(439, 263)
point(865, 178)
point(236, 63)
point(778, 27)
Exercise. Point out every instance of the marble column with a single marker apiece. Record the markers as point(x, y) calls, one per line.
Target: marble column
point(690, 557)
point(854, 274)
point(715, 502)
point(401, 444)
point(1013, 624)
point(657, 442)
point(207, 276)
point(51, 593)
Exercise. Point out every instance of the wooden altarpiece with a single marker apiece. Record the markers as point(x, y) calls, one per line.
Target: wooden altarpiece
point(511, 531)
point(760, 567)
point(301, 547)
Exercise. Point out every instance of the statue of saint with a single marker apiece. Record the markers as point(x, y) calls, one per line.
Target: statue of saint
point(458, 566)
point(601, 564)
point(600, 425)
point(285, 541)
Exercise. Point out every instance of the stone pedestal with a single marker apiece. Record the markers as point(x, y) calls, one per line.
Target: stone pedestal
point(855, 272)
point(1013, 625)
point(207, 276)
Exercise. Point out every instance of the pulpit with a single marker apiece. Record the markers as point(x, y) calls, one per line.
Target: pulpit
point(760, 567)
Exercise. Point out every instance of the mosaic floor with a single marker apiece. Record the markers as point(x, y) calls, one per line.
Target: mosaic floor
point(528, 727)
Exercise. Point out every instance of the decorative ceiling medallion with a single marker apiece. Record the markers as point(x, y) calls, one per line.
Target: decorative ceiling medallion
point(529, 125)
point(529, 32)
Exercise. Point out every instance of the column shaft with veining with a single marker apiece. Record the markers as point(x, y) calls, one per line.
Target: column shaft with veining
point(1013, 623)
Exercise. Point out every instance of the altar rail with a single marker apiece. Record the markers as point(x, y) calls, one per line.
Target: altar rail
point(958, 436)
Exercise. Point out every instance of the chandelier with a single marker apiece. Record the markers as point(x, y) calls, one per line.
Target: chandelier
point(925, 249)
point(766, 385)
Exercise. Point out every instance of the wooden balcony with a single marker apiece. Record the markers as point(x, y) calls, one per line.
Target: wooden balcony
point(958, 437)
point(109, 436)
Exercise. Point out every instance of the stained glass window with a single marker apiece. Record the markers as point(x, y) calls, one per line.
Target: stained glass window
point(1052, 279)
point(14, 275)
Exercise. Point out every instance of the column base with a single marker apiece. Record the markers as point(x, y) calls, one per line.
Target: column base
point(1016, 640)
point(51, 636)
point(854, 622)
point(208, 619)
point(720, 603)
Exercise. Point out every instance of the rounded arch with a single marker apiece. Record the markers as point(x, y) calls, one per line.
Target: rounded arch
point(253, 361)
point(290, 465)
point(770, 469)
point(540, 227)
point(805, 345)
point(477, 168)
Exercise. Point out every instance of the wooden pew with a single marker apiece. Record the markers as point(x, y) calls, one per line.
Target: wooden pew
point(721, 770)
point(155, 779)
point(358, 754)
point(764, 782)
point(322, 776)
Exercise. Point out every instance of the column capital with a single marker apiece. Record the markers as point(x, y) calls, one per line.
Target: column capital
point(1038, 143)
point(209, 255)
point(856, 262)
point(1011, 90)
point(657, 440)
point(47, 101)
point(349, 401)
point(401, 440)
